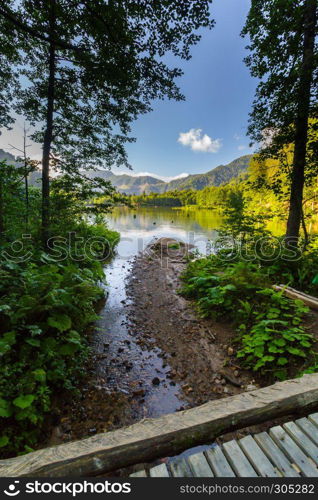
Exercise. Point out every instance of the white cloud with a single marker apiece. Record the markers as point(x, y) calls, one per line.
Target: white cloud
point(198, 141)
point(242, 147)
point(237, 137)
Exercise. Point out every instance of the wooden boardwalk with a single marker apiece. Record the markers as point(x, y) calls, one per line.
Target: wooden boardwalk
point(283, 450)
point(290, 450)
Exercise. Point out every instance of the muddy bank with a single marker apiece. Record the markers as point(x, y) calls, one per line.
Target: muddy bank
point(151, 354)
point(198, 351)
point(124, 380)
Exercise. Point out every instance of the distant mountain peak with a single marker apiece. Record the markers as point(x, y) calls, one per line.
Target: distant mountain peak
point(145, 182)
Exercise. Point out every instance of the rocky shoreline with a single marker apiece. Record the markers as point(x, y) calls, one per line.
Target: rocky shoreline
point(198, 350)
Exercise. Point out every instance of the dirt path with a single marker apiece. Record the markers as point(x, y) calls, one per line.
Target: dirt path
point(197, 350)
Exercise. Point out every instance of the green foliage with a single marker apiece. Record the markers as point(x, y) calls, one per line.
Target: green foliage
point(270, 337)
point(45, 308)
point(283, 56)
point(106, 67)
point(168, 199)
point(47, 301)
point(276, 340)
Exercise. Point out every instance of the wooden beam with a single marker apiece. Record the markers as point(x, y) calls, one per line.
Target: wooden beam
point(167, 435)
point(309, 300)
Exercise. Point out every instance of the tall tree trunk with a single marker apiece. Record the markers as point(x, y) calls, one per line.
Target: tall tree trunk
point(26, 181)
point(48, 135)
point(302, 123)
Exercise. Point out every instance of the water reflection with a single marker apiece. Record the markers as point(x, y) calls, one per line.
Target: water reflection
point(139, 227)
point(127, 367)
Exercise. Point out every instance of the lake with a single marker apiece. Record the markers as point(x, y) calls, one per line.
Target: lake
point(127, 367)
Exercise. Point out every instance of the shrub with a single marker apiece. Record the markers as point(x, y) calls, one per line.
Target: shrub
point(270, 337)
point(45, 308)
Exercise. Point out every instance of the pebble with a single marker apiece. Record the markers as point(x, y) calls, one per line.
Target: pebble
point(251, 387)
point(139, 392)
point(156, 381)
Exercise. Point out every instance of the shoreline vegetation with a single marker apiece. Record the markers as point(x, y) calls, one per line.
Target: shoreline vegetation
point(47, 303)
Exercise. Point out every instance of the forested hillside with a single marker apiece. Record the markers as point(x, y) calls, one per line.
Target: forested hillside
point(222, 174)
point(215, 177)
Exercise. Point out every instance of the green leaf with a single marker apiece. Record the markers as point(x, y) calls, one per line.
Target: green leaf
point(4, 347)
point(4, 308)
point(61, 322)
point(33, 342)
point(280, 374)
point(282, 361)
point(24, 401)
point(296, 352)
point(39, 375)
point(4, 440)
point(68, 349)
point(315, 280)
point(280, 342)
point(5, 410)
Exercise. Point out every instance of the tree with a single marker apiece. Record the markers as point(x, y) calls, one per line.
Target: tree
point(9, 58)
point(284, 56)
point(28, 166)
point(12, 197)
point(91, 67)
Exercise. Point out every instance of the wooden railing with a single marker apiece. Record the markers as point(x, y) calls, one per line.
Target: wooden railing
point(167, 435)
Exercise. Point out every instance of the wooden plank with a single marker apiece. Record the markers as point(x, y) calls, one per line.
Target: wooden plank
point(292, 451)
point(199, 465)
point(218, 462)
point(159, 471)
point(276, 456)
point(180, 468)
point(303, 441)
point(167, 435)
point(309, 428)
point(309, 300)
point(238, 460)
point(139, 473)
point(257, 458)
point(314, 418)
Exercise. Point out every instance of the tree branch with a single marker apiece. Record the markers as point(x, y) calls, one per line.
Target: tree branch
point(20, 25)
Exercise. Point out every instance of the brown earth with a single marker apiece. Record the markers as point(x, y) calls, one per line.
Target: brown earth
point(199, 351)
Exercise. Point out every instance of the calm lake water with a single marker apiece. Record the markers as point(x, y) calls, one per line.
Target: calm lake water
point(128, 368)
point(139, 227)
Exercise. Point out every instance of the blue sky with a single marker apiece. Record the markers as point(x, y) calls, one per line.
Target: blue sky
point(219, 92)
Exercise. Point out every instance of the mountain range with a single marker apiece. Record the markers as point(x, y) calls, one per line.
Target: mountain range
point(132, 184)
